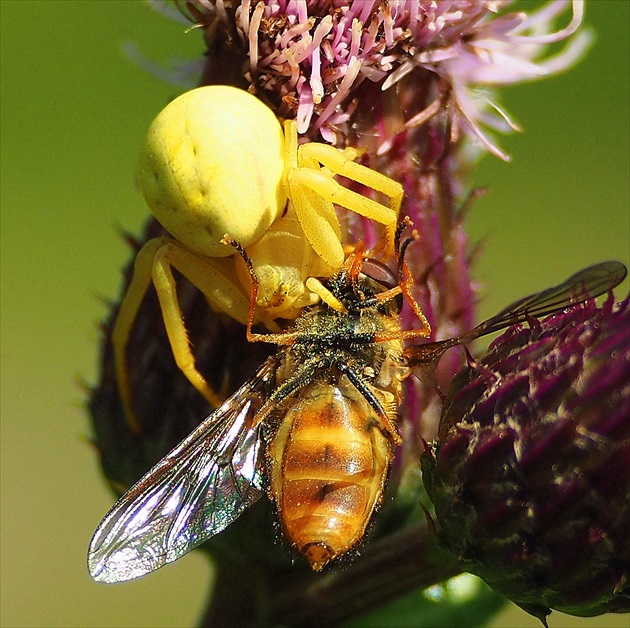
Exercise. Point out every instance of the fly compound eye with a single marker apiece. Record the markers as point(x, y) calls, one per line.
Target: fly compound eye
point(380, 273)
point(383, 276)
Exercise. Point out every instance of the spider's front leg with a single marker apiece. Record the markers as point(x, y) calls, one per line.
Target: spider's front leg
point(313, 190)
point(214, 277)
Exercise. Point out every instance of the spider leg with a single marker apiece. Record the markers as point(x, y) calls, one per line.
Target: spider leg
point(339, 163)
point(127, 312)
point(315, 214)
point(308, 191)
point(214, 277)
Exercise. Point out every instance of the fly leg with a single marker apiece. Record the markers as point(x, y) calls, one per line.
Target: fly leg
point(385, 416)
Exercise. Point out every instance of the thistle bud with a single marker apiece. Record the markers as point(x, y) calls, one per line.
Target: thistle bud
point(530, 475)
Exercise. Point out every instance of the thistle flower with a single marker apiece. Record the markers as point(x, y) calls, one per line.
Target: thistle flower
point(530, 476)
point(311, 57)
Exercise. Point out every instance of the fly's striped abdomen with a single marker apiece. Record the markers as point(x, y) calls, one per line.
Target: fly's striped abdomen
point(329, 462)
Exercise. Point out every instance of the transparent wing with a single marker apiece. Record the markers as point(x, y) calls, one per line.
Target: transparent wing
point(586, 284)
point(193, 493)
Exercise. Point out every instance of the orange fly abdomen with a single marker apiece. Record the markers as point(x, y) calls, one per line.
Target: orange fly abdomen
point(329, 464)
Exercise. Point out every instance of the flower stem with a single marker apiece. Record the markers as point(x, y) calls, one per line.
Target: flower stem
point(388, 568)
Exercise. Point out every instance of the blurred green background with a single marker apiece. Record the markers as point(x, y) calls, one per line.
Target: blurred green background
point(74, 111)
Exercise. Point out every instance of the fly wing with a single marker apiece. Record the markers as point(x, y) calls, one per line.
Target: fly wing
point(586, 284)
point(193, 493)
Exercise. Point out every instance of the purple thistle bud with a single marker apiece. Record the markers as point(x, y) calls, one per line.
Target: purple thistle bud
point(530, 475)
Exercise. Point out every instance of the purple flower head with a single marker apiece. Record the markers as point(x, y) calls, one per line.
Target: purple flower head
point(530, 476)
point(310, 57)
point(407, 82)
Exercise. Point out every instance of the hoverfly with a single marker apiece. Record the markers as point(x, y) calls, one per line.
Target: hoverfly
point(315, 428)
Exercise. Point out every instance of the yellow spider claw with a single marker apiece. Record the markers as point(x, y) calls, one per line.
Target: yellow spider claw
point(153, 265)
point(309, 179)
point(217, 161)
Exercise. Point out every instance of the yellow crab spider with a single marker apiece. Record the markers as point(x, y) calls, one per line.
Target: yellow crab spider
point(216, 161)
